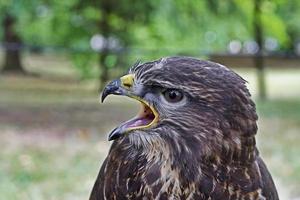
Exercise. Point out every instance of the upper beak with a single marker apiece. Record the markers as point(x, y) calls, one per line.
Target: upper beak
point(112, 88)
point(118, 86)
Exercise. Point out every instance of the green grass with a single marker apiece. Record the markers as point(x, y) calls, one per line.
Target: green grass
point(39, 172)
point(53, 134)
point(279, 139)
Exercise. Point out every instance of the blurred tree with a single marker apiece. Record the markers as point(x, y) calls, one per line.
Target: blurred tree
point(72, 24)
point(258, 37)
point(289, 13)
point(12, 45)
point(145, 29)
point(105, 24)
point(210, 25)
point(114, 21)
point(262, 19)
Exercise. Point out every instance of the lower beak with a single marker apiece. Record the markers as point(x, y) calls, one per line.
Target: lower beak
point(116, 133)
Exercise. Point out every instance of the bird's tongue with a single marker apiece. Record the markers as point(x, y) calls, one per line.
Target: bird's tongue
point(139, 122)
point(144, 118)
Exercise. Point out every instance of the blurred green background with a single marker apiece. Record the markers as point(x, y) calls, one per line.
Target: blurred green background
point(56, 55)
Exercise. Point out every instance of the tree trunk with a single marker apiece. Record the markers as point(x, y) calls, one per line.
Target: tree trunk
point(258, 58)
point(104, 69)
point(105, 30)
point(12, 45)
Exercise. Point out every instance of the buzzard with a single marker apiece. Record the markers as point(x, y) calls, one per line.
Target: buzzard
point(194, 137)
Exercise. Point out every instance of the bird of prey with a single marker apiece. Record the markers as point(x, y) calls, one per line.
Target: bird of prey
point(194, 137)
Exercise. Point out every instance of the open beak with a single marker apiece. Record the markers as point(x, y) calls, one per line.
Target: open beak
point(146, 118)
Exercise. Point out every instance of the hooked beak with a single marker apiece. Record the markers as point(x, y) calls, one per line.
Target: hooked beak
point(118, 86)
point(112, 88)
point(146, 118)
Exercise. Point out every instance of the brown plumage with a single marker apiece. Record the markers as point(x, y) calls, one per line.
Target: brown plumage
point(194, 139)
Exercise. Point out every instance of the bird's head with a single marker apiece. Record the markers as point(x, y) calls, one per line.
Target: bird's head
point(189, 104)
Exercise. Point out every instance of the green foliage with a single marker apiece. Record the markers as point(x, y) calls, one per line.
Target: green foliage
point(150, 28)
point(85, 65)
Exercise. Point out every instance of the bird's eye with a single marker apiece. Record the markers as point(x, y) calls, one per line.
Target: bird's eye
point(173, 96)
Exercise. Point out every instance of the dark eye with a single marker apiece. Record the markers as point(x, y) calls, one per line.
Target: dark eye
point(173, 96)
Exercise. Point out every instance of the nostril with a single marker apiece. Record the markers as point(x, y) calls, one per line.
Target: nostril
point(127, 85)
point(127, 80)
